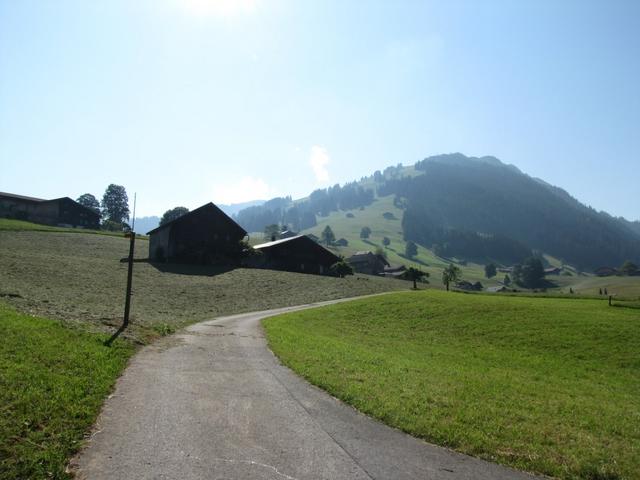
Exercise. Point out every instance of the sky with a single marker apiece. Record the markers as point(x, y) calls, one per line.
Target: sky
point(190, 101)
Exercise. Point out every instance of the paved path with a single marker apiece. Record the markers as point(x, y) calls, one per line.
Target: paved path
point(212, 402)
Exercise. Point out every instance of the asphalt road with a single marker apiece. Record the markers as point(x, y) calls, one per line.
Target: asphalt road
point(212, 402)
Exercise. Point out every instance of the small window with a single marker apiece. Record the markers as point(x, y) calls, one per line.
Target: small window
point(302, 266)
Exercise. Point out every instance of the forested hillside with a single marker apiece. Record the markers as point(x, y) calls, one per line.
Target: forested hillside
point(475, 208)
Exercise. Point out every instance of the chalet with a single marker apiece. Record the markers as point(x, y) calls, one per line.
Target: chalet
point(60, 211)
point(394, 271)
point(295, 254)
point(368, 262)
point(205, 235)
point(498, 289)
point(605, 271)
point(468, 286)
point(288, 234)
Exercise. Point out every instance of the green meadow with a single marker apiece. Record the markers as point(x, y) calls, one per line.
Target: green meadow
point(547, 385)
point(53, 380)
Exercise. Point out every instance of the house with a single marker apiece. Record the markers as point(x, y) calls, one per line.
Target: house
point(368, 262)
point(605, 271)
point(288, 234)
point(295, 254)
point(468, 286)
point(394, 272)
point(205, 235)
point(498, 289)
point(60, 211)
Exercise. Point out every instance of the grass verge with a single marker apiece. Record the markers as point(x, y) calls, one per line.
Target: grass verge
point(542, 384)
point(53, 381)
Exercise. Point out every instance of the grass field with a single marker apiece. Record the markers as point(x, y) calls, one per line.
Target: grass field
point(9, 225)
point(542, 384)
point(53, 381)
point(79, 279)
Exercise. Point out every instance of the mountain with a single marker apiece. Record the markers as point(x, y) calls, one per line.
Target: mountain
point(234, 208)
point(146, 224)
point(469, 208)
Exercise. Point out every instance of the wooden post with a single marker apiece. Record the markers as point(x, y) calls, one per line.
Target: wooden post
point(610, 300)
point(127, 300)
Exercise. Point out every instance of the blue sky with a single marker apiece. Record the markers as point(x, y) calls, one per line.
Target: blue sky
point(188, 101)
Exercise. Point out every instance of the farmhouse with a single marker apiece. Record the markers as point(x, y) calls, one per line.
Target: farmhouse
point(205, 235)
point(59, 211)
point(368, 262)
point(605, 271)
point(394, 271)
point(295, 254)
point(553, 271)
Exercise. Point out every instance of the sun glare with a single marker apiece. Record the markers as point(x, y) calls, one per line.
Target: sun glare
point(218, 8)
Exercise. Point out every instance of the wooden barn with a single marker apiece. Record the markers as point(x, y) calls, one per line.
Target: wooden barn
point(59, 211)
point(296, 254)
point(205, 235)
point(368, 262)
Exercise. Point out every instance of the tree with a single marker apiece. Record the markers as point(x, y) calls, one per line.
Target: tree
point(380, 251)
point(490, 270)
point(342, 268)
point(451, 274)
point(507, 280)
point(328, 236)
point(365, 233)
point(271, 232)
point(530, 274)
point(386, 241)
point(410, 249)
point(89, 201)
point(115, 204)
point(172, 214)
point(629, 268)
point(415, 275)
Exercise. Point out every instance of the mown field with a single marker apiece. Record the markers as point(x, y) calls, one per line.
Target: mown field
point(546, 385)
point(62, 295)
point(53, 381)
point(79, 279)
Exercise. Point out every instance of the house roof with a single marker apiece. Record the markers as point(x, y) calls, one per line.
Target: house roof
point(499, 288)
point(207, 206)
point(300, 239)
point(21, 197)
point(365, 256)
point(277, 242)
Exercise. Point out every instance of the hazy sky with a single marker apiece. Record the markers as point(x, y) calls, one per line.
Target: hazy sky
point(188, 101)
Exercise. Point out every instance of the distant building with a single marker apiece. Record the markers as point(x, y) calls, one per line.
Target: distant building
point(500, 288)
point(368, 262)
point(468, 286)
point(60, 211)
point(288, 234)
point(395, 271)
point(605, 271)
point(295, 254)
point(205, 235)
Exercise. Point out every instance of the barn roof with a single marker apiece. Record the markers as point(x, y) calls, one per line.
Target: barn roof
point(21, 197)
point(276, 242)
point(210, 207)
point(300, 239)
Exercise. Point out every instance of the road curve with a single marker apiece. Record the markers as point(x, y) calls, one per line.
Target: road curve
point(212, 402)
